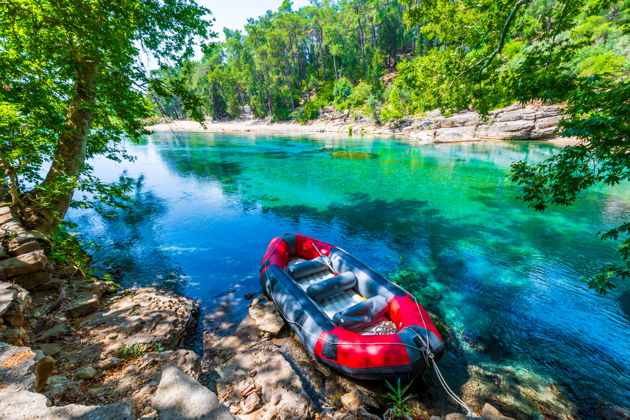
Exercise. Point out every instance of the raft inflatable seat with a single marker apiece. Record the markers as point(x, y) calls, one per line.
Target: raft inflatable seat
point(348, 316)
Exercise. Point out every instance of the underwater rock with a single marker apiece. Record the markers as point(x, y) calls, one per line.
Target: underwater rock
point(354, 155)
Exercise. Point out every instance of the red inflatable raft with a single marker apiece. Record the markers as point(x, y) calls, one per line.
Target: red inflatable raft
point(348, 316)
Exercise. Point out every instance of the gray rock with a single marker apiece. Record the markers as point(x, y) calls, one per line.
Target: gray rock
point(24, 248)
point(180, 397)
point(23, 264)
point(50, 349)
point(3, 253)
point(17, 367)
point(356, 398)
point(109, 363)
point(456, 416)
point(31, 281)
point(26, 405)
point(83, 304)
point(86, 372)
point(54, 332)
point(14, 301)
point(266, 317)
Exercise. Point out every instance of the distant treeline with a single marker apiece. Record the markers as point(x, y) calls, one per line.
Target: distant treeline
point(392, 58)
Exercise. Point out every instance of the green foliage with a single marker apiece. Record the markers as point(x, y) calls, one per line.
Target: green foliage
point(342, 92)
point(72, 88)
point(309, 111)
point(65, 249)
point(599, 116)
point(138, 349)
point(285, 55)
point(398, 399)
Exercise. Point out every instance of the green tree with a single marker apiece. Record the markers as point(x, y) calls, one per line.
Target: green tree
point(73, 88)
point(497, 52)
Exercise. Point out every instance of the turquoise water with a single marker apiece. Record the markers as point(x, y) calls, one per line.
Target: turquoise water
point(505, 279)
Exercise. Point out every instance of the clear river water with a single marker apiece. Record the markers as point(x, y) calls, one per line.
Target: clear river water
point(441, 219)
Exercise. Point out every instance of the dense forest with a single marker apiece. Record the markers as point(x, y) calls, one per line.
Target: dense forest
point(393, 58)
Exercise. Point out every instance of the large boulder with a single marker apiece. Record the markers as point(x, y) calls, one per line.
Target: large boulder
point(180, 397)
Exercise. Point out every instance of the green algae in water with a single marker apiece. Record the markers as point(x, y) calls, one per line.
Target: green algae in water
point(353, 155)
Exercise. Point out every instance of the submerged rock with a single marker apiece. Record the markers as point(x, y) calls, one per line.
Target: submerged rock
point(181, 397)
point(354, 155)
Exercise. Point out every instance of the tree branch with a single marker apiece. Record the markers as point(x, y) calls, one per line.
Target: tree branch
point(504, 32)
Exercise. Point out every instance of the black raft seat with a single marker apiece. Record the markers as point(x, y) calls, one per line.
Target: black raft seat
point(362, 314)
point(329, 287)
point(307, 268)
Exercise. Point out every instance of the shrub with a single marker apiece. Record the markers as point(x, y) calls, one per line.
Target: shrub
point(342, 91)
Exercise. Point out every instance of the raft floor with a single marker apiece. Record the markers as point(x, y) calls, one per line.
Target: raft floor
point(342, 300)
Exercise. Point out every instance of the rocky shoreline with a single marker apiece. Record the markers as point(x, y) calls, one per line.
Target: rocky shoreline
point(533, 121)
point(76, 347)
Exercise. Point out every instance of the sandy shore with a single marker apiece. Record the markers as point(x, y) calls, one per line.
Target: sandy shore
point(262, 126)
point(327, 127)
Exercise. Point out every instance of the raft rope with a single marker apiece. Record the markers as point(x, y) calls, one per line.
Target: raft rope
point(428, 355)
point(328, 261)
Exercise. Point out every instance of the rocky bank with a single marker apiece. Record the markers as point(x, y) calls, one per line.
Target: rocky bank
point(532, 121)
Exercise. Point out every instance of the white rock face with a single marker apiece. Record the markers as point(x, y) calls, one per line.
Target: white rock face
point(180, 397)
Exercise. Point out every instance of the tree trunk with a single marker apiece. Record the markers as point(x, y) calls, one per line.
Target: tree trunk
point(49, 202)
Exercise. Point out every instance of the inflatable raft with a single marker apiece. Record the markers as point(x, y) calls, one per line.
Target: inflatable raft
point(348, 316)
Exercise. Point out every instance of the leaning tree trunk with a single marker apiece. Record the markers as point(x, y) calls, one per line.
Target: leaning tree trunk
point(48, 203)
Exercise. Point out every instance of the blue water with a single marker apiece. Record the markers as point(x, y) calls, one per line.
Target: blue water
point(441, 219)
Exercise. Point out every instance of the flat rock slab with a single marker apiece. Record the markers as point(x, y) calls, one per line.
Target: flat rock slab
point(26, 405)
point(23, 264)
point(180, 397)
point(144, 316)
point(16, 367)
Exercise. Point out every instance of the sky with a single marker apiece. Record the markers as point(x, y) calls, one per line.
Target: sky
point(233, 14)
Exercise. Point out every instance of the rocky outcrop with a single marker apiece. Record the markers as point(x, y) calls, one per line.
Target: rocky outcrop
point(516, 122)
point(146, 316)
point(22, 258)
point(19, 368)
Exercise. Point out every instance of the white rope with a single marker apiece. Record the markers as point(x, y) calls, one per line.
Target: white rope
point(426, 352)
